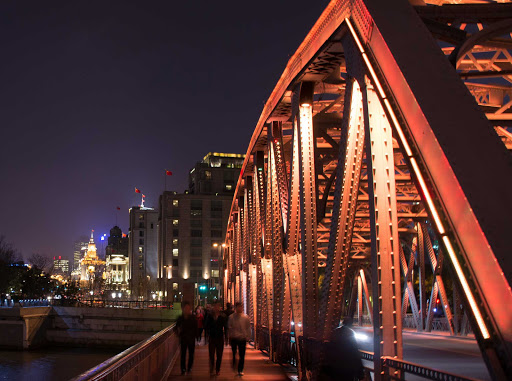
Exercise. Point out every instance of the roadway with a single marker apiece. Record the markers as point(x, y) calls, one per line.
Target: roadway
point(459, 355)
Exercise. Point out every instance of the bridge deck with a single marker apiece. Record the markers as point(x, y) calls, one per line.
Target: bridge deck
point(257, 367)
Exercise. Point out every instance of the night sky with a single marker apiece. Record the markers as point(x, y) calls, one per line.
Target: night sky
point(100, 97)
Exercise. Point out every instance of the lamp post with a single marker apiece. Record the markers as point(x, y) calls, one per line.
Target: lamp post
point(221, 267)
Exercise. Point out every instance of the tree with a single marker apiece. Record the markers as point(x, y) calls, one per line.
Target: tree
point(8, 254)
point(10, 267)
point(41, 263)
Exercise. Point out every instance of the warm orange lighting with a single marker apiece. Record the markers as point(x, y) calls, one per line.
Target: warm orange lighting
point(423, 185)
point(215, 244)
point(224, 245)
point(467, 290)
point(429, 200)
point(398, 128)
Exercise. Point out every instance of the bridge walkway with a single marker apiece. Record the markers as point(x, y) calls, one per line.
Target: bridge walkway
point(257, 367)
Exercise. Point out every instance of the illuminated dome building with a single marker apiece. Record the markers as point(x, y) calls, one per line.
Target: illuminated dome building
point(90, 265)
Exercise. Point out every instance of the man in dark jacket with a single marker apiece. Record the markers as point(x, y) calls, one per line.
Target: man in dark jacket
point(186, 325)
point(342, 360)
point(216, 326)
point(227, 312)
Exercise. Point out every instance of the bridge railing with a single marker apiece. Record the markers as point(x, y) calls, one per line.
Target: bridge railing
point(151, 359)
point(115, 303)
point(389, 365)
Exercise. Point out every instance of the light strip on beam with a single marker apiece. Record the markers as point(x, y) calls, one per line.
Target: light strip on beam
point(419, 176)
point(467, 290)
point(429, 200)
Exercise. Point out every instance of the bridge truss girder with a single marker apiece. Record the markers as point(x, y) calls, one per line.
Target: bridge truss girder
point(356, 163)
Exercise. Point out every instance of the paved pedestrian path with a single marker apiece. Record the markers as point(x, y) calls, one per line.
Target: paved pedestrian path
point(257, 367)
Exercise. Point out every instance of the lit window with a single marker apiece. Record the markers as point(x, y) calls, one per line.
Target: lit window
point(175, 242)
point(215, 273)
point(141, 249)
point(175, 203)
point(175, 222)
point(141, 216)
point(207, 175)
point(175, 286)
point(229, 187)
point(174, 252)
point(140, 265)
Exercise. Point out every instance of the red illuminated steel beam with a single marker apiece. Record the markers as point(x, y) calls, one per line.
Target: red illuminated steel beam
point(454, 175)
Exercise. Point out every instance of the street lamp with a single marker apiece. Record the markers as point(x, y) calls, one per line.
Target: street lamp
point(221, 267)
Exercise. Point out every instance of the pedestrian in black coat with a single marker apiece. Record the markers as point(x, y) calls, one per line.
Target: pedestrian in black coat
point(216, 325)
point(186, 326)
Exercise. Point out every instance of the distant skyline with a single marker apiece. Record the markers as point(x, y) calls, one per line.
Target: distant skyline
point(100, 97)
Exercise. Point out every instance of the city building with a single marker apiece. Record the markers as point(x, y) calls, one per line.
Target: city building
point(117, 263)
point(79, 250)
point(91, 267)
point(192, 226)
point(217, 174)
point(60, 265)
point(142, 252)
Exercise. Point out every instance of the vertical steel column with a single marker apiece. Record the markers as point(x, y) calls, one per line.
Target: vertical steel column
point(280, 227)
point(384, 232)
point(292, 262)
point(366, 295)
point(277, 251)
point(359, 301)
point(409, 295)
point(438, 286)
point(421, 269)
point(351, 149)
point(308, 210)
point(260, 205)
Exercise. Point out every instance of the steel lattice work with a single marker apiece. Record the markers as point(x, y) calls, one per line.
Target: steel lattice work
point(372, 163)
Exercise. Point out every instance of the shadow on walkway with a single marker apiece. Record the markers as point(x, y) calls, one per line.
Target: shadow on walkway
point(257, 367)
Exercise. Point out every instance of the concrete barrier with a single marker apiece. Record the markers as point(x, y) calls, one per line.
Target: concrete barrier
point(23, 328)
point(29, 327)
point(109, 327)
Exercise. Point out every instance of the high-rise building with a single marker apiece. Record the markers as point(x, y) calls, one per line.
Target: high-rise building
point(60, 265)
point(216, 174)
point(192, 227)
point(142, 251)
point(117, 263)
point(79, 250)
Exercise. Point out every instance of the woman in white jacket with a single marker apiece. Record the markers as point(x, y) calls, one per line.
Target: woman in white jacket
point(239, 331)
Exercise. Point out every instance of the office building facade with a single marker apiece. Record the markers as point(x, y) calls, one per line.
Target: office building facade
point(192, 226)
point(142, 252)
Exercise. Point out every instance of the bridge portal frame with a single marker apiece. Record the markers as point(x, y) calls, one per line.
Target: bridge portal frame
point(463, 215)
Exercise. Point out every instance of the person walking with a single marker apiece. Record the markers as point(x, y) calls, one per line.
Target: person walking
point(207, 311)
point(216, 325)
point(228, 312)
point(239, 329)
point(342, 360)
point(200, 321)
point(186, 325)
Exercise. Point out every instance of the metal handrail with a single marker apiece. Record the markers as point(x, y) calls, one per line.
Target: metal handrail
point(422, 371)
point(412, 368)
point(117, 361)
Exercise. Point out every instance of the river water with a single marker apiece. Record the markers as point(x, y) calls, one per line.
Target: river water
point(51, 364)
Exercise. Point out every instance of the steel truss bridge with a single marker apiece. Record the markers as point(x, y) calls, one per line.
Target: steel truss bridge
point(379, 168)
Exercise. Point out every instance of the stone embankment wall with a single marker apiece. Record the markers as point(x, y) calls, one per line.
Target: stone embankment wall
point(24, 328)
